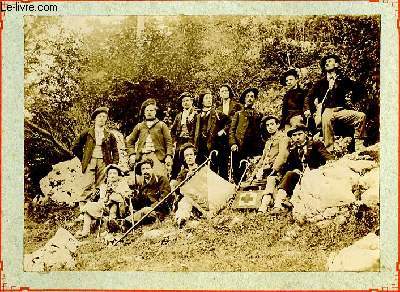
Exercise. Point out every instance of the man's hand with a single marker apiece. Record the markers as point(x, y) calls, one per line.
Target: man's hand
point(220, 133)
point(307, 113)
point(234, 148)
point(132, 160)
point(168, 160)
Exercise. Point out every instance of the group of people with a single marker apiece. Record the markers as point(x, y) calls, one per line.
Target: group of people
point(161, 157)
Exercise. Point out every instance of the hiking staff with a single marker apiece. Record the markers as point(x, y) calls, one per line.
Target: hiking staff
point(163, 200)
point(230, 166)
point(210, 156)
point(244, 172)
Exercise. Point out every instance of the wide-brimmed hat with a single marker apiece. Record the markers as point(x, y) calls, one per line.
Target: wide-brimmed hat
point(326, 57)
point(270, 117)
point(185, 94)
point(102, 109)
point(138, 169)
point(296, 128)
point(290, 72)
point(121, 172)
point(247, 90)
point(146, 103)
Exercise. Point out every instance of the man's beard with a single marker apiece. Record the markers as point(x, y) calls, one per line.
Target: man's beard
point(150, 119)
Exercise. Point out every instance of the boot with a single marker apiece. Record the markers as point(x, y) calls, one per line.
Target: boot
point(280, 197)
point(265, 202)
point(359, 145)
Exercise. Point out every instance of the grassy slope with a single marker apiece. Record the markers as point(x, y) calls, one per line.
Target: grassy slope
point(232, 241)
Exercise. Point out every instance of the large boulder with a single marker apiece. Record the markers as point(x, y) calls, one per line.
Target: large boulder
point(56, 254)
point(65, 182)
point(325, 192)
point(361, 256)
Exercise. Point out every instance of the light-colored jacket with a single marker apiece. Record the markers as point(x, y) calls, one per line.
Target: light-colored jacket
point(275, 152)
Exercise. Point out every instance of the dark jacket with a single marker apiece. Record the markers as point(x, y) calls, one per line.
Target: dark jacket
point(245, 130)
point(234, 107)
point(160, 135)
point(336, 97)
point(84, 145)
point(148, 195)
point(176, 127)
point(216, 122)
point(293, 104)
point(313, 154)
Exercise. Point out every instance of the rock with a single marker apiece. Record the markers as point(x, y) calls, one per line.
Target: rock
point(362, 256)
point(370, 179)
point(334, 189)
point(331, 212)
point(371, 196)
point(359, 166)
point(340, 219)
point(324, 224)
point(55, 255)
point(158, 235)
point(64, 182)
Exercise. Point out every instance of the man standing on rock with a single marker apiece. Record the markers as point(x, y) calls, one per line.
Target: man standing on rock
point(303, 153)
point(293, 100)
point(96, 148)
point(152, 139)
point(182, 130)
point(244, 133)
point(330, 98)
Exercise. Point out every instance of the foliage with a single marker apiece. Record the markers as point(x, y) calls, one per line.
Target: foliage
point(70, 69)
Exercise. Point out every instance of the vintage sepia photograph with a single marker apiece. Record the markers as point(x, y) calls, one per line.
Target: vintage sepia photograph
point(240, 143)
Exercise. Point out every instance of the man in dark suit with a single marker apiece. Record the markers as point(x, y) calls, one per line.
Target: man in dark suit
point(293, 100)
point(244, 133)
point(303, 153)
point(335, 92)
point(182, 130)
point(229, 106)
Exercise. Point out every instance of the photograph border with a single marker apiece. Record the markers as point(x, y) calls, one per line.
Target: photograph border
point(5, 286)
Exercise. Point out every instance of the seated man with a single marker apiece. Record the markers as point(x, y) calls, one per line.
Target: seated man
point(303, 153)
point(151, 189)
point(109, 199)
point(185, 205)
point(273, 158)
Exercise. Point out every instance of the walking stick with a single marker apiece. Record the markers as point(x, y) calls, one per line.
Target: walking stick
point(210, 156)
point(230, 167)
point(244, 172)
point(162, 201)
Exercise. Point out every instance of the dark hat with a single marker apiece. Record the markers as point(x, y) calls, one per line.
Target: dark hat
point(138, 169)
point(326, 57)
point(121, 172)
point(296, 128)
point(184, 147)
point(290, 72)
point(146, 103)
point(102, 109)
point(247, 90)
point(270, 117)
point(185, 94)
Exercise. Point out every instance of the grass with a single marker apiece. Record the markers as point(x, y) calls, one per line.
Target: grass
point(231, 241)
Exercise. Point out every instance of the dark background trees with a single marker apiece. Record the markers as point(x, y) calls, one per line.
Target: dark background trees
point(74, 64)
